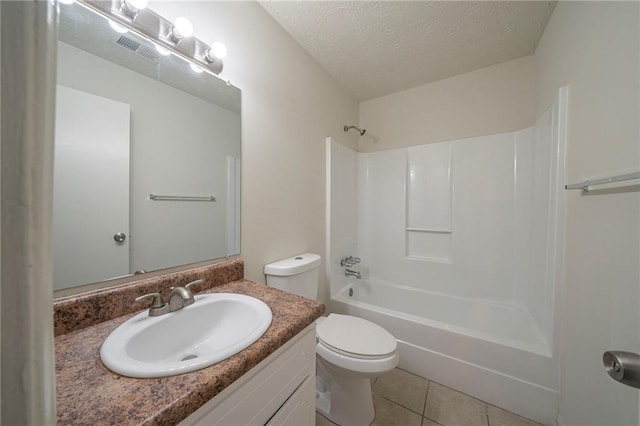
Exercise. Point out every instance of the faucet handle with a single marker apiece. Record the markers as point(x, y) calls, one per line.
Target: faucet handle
point(158, 307)
point(157, 299)
point(349, 261)
point(192, 283)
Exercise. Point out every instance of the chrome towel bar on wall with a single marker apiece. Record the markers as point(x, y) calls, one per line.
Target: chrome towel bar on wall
point(181, 198)
point(588, 183)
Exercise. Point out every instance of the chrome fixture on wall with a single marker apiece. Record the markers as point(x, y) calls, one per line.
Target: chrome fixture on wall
point(172, 37)
point(361, 131)
point(352, 273)
point(349, 261)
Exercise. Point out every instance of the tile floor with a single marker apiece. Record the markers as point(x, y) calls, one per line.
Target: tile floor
point(403, 399)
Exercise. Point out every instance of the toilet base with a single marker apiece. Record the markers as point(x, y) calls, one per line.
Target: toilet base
point(345, 401)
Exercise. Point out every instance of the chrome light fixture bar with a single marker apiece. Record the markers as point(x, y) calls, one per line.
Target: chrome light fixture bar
point(174, 37)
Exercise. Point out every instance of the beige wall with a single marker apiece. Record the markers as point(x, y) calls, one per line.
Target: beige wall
point(491, 100)
point(289, 105)
point(593, 47)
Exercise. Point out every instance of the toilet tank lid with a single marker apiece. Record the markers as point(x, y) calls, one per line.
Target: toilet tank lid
point(293, 265)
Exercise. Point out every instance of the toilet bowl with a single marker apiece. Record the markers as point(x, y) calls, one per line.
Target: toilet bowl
point(350, 351)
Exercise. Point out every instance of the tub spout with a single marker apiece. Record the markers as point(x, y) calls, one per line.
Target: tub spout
point(352, 273)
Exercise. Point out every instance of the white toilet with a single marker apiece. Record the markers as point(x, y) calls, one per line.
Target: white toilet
point(350, 350)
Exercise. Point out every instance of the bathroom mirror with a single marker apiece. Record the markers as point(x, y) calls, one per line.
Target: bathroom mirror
point(147, 156)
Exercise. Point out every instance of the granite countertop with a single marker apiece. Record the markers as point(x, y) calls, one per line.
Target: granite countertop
point(88, 393)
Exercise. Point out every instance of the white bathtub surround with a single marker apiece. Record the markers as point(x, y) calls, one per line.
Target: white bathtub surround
point(459, 244)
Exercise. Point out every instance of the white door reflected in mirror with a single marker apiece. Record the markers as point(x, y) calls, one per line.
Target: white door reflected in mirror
point(91, 188)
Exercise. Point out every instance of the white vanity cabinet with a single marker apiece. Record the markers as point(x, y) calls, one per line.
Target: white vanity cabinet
point(280, 390)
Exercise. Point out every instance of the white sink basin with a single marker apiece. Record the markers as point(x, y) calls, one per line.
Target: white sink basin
point(210, 330)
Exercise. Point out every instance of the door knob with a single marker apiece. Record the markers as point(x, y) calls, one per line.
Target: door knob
point(120, 237)
point(623, 367)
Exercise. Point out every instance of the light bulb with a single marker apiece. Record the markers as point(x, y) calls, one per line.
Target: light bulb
point(67, 1)
point(131, 8)
point(196, 68)
point(216, 52)
point(117, 27)
point(161, 50)
point(182, 28)
point(219, 49)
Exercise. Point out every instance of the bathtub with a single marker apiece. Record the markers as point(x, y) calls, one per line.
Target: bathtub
point(488, 350)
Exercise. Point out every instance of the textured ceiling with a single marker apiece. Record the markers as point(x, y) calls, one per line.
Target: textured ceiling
point(373, 48)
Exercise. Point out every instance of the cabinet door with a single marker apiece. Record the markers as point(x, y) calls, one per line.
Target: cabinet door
point(255, 398)
point(300, 409)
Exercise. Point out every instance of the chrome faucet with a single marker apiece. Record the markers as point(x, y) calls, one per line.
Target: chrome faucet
point(352, 273)
point(178, 299)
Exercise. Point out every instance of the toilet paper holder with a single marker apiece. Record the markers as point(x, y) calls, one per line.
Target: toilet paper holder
point(623, 367)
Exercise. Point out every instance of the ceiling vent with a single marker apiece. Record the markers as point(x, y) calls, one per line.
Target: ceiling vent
point(144, 51)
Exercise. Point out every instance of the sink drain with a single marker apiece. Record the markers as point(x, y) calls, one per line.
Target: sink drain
point(188, 357)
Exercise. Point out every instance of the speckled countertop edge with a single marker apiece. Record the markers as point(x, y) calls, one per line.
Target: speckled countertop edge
point(88, 393)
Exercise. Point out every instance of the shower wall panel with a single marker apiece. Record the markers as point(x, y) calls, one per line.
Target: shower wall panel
point(472, 218)
point(428, 199)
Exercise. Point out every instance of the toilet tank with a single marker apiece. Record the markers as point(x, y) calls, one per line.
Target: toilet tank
point(297, 274)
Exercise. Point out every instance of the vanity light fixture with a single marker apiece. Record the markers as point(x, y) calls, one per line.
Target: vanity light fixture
point(132, 8)
point(181, 29)
point(169, 37)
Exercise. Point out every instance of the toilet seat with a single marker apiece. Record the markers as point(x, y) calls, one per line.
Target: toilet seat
point(350, 365)
point(350, 354)
point(355, 337)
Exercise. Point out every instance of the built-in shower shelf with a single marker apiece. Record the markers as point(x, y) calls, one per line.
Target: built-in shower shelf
point(428, 245)
point(435, 231)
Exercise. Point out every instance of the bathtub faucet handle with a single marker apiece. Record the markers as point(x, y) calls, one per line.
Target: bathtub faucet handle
point(349, 261)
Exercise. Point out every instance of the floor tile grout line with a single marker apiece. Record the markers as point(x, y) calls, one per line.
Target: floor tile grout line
point(455, 390)
point(399, 405)
point(424, 406)
point(486, 413)
point(433, 421)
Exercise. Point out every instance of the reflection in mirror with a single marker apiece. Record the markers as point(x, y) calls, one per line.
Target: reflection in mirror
point(131, 122)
